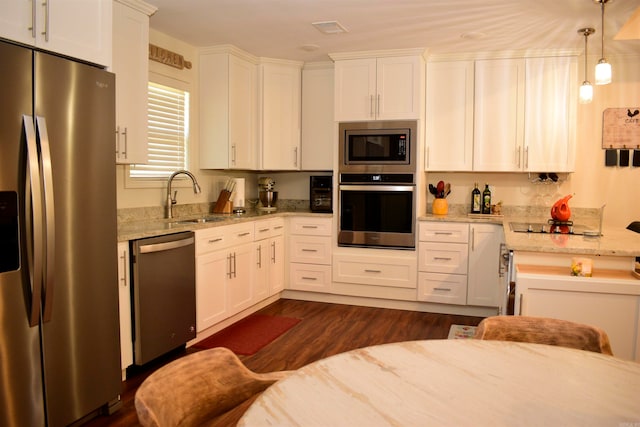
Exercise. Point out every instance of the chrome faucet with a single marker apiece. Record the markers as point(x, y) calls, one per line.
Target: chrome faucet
point(171, 200)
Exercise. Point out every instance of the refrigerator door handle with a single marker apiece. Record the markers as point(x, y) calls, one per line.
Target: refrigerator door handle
point(49, 214)
point(35, 233)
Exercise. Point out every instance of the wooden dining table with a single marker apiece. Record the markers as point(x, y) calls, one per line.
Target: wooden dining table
point(462, 382)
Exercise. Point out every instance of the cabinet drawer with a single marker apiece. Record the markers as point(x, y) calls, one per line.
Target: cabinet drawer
point(268, 228)
point(449, 232)
point(443, 257)
point(211, 239)
point(309, 277)
point(397, 273)
point(310, 226)
point(240, 233)
point(310, 249)
point(442, 288)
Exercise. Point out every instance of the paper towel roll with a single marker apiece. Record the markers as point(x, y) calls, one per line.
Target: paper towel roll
point(238, 193)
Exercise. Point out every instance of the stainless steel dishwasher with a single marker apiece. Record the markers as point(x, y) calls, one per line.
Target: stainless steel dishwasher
point(164, 295)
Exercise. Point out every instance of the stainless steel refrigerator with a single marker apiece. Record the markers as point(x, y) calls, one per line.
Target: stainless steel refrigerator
point(59, 333)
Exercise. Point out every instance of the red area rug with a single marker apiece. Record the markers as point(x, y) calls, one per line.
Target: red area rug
point(250, 334)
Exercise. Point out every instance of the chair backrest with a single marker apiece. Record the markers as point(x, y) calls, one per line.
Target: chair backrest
point(197, 388)
point(543, 330)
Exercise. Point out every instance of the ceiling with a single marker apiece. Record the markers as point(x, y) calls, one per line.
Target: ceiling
point(282, 28)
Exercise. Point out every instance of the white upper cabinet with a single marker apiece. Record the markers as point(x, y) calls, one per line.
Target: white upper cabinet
point(383, 88)
point(279, 119)
point(449, 116)
point(228, 109)
point(550, 114)
point(79, 29)
point(499, 108)
point(131, 66)
point(318, 128)
point(502, 115)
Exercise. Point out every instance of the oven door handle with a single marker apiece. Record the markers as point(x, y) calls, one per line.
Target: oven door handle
point(376, 187)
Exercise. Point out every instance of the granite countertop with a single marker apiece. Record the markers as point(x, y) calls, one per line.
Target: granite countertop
point(131, 230)
point(613, 242)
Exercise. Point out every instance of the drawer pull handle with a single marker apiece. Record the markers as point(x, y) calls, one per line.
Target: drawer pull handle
point(262, 230)
point(443, 233)
point(440, 258)
point(243, 234)
point(309, 250)
point(215, 240)
point(308, 278)
point(277, 227)
point(309, 226)
point(442, 289)
point(372, 271)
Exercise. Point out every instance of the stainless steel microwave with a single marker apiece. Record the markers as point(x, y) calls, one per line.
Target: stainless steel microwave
point(378, 146)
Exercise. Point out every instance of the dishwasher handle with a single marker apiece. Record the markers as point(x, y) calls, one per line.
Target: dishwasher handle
point(159, 247)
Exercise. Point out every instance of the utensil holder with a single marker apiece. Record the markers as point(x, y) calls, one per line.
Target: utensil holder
point(440, 206)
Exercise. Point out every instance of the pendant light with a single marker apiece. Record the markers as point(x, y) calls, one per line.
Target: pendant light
point(603, 68)
point(586, 89)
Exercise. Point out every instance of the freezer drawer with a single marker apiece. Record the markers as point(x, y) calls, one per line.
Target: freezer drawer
point(164, 301)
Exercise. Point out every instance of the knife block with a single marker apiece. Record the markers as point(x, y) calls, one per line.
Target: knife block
point(223, 205)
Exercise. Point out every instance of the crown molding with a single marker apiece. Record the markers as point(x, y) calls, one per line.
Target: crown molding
point(506, 54)
point(338, 56)
point(140, 6)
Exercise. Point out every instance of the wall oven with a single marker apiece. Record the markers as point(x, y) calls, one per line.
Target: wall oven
point(377, 210)
point(377, 189)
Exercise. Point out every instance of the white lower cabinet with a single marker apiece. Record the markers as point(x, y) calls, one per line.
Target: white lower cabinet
point(309, 253)
point(224, 273)
point(609, 300)
point(124, 300)
point(459, 263)
point(269, 258)
point(484, 280)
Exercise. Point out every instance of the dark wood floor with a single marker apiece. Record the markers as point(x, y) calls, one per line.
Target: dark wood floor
point(325, 330)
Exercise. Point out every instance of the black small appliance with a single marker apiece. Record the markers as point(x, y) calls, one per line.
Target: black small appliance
point(320, 193)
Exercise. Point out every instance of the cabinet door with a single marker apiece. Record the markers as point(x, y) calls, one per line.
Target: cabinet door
point(131, 66)
point(355, 87)
point(498, 109)
point(318, 128)
point(550, 116)
point(449, 116)
point(124, 293)
point(228, 111)
point(280, 116)
point(398, 88)
point(212, 270)
point(276, 264)
point(15, 21)
point(79, 29)
point(484, 286)
point(242, 114)
point(261, 275)
point(239, 286)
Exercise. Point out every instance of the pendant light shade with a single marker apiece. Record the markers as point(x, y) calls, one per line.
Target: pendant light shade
point(603, 68)
point(586, 89)
point(603, 72)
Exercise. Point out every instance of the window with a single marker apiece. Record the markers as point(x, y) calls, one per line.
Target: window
point(168, 121)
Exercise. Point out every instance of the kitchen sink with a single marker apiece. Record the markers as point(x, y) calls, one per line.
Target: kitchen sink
point(201, 220)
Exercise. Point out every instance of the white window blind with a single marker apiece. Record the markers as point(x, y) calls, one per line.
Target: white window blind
point(168, 123)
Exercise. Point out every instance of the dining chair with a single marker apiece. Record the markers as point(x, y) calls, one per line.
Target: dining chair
point(543, 330)
point(197, 388)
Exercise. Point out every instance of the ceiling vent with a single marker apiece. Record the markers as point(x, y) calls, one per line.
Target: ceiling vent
point(330, 27)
